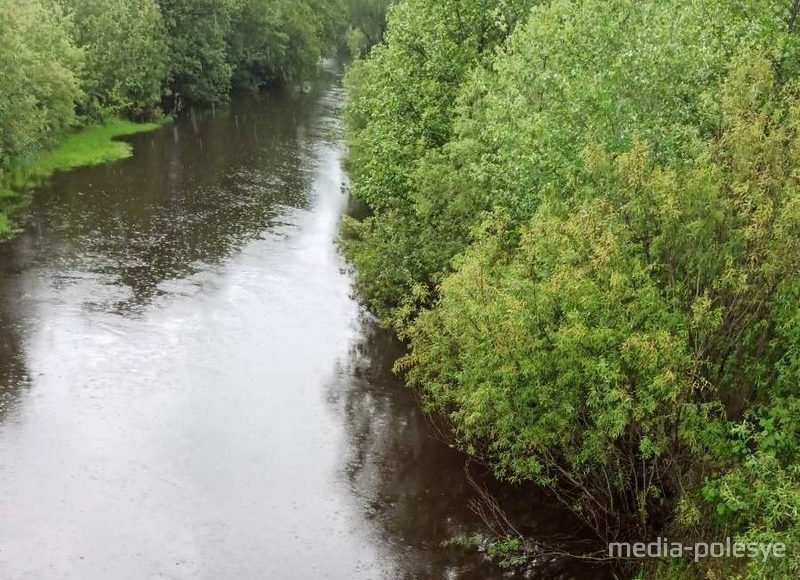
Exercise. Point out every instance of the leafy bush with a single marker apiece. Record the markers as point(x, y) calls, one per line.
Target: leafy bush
point(200, 69)
point(125, 51)
point(587, 233)
point(38, 75)
point(401, 110)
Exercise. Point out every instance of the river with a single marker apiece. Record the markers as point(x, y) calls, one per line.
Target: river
point(188, 388)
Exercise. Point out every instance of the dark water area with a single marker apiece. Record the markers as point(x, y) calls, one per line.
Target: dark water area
point(189, 390)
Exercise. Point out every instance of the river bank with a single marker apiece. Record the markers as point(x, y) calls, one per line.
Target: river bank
point(66, 63)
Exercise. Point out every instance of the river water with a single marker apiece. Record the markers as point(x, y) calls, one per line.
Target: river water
point(188, 389)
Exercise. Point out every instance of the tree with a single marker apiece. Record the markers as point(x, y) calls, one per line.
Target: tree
point(367, 20)
point(401, 110)
point(125, 50)
point(200, 69)
point(38, 75)
point(589, 237)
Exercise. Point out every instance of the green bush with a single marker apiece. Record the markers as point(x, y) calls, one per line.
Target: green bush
point(200, 69)
point(588, 233)
point(402, 110)
point(39, 82)
point(125, 49)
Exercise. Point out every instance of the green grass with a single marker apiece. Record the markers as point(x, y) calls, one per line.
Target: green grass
point(93, 145)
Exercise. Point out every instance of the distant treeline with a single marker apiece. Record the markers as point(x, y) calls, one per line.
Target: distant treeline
point(64, 63)
point(586, 223)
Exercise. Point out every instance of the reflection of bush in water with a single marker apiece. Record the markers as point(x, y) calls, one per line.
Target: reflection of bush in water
point(410, 482)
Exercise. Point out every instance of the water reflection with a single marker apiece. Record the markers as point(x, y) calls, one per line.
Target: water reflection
point(411, 485)
point(194, 192)
point(13, 373)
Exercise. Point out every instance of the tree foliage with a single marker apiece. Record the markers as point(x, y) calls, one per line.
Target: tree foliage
point(67, 63)
point(200, 69)
point(402, 110)
point(39, 75)
point(125, 56)
point(587, 228)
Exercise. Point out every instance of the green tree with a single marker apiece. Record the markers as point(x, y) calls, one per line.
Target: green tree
point(402, 109)
point(39, 68)
point(588, 234)
point(579, 72)
point(125, 50)
point(367, 24)
point(605, 345)
point(200, 69)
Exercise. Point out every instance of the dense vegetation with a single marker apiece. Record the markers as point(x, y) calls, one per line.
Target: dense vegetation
point(586, 223)
point(65, 64)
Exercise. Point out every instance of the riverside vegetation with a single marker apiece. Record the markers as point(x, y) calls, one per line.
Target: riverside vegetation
point(585, 222)
point(70, 64)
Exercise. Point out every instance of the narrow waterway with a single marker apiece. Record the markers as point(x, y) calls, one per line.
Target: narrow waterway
point(188, 389)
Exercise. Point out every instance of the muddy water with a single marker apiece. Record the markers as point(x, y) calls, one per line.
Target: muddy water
point(188, 389)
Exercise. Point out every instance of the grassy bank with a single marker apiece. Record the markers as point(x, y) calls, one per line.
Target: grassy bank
point(92, 145)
